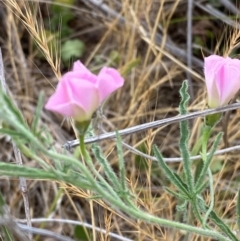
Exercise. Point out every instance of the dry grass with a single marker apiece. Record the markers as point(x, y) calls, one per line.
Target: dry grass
point(138, 30)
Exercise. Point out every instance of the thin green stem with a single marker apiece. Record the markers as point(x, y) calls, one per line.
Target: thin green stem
point(206, 135)
point(196, 210)
point(90, 164)
point(211, 198)
point(83, 149)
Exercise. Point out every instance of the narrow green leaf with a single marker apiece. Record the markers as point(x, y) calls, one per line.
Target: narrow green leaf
point(12, 133)
point(37, 113)
point(198, 168)
point(14, 170)
point(176, 194)
point(201, 187)
point(122, 173)
point(11, 106)
point(81, 233)
point(111, 175)
point(184, 137)
point(218, 221)
point(173, 177)
point(208, 161)
point(206, 135)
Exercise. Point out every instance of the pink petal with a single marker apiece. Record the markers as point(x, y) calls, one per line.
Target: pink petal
point(212, 64)
point(79, 67)
point(88, 76)
point(228, 82)
point(109, 80)
point(75, 98)
point(80, 92)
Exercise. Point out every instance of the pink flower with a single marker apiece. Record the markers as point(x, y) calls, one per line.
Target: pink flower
point(79, 92)
point(222, 77)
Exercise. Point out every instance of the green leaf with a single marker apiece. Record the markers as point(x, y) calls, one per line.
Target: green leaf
point(72, 49)
point(218, 221)
point(199, 166)
point(208, 161)
point(111, 175)
point(81, 233)
point(184, 137)
point(202, 187)
point(14, 170)
point(37, 113)
point(13, 133)
point(173, 177)
point(16, 113)
point(122, 173)
point(176, 194)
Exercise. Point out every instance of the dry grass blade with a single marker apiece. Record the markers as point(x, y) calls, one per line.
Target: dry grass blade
point(35, 27)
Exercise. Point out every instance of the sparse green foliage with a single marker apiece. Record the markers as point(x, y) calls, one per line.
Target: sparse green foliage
point(106, 184)
point(81, 233)
point(86, 176)
point(184, 137)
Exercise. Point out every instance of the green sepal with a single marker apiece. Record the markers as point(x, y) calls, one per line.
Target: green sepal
point(82, 127)
point(212, 120)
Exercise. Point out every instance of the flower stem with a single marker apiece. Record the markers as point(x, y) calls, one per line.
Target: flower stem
point(84, 152)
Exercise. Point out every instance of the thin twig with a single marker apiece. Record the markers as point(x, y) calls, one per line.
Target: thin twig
point(230, 6)
point(12, 227)
point(2, 76)
point(219, 15)
point(87, 225)
point(44, 232)
point(17, 154)
point(175, 159)
point(180, 159)
point(154, 124)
